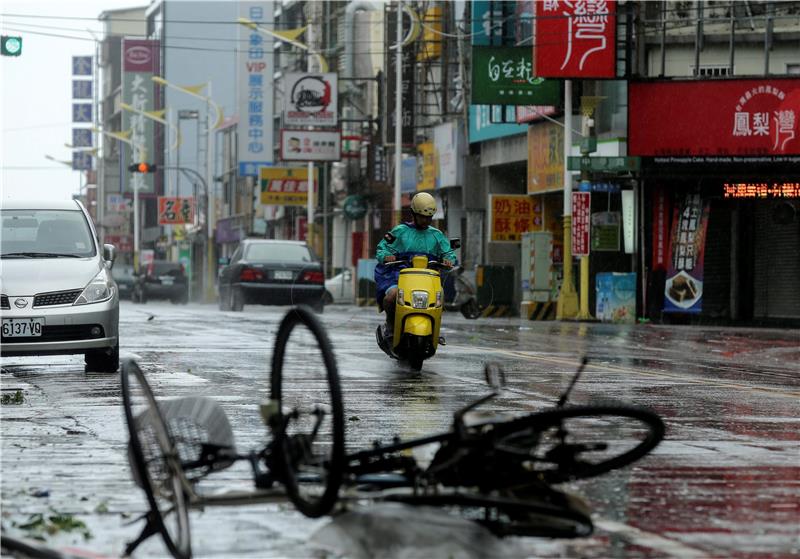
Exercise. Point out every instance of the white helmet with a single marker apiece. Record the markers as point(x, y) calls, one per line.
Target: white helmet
point(423, 204)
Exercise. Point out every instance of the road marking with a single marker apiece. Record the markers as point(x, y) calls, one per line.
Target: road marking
point(647, 539)
point(780, 392)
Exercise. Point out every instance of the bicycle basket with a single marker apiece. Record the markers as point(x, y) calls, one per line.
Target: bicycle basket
point(201, 432)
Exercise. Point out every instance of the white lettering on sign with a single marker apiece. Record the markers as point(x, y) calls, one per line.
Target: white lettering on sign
point(587, 23)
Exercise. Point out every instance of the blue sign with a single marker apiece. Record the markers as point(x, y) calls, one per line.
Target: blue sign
point(611, 187)
point(482, 128)
point(408, 174)
point(81, 112)
point(81, 65)
point(81, 89)
point(250, 168)
point(81, 161)
point(487, 25)
point(81, 138)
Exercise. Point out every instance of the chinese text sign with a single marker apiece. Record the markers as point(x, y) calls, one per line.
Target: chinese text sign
point(512, 215)
point(575, 39)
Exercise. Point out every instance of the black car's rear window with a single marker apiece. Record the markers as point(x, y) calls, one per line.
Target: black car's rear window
point(165, 269)
point(45, 232)
point(277, 252)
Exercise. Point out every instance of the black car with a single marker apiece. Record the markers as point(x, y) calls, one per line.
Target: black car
point(125, 279)
point(272, 272)
point(161, 279)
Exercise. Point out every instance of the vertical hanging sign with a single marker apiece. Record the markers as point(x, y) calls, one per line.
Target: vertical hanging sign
point(140, 62)
point(660, 229)
point(255, 69)
point(82, 112)
point(575, 39)
point(683, 289)
point(407, 95)
point(581, 225)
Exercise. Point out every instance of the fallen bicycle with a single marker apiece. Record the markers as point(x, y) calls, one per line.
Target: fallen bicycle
point(497, 471)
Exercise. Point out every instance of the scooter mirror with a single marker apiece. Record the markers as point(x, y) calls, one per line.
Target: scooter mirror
point(495, 376)
point(455, 243)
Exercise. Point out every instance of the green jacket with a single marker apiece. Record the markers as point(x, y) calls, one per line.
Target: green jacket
point(405, 241)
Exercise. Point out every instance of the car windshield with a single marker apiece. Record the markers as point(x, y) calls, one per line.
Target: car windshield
point(45, 234)
point(277, 252)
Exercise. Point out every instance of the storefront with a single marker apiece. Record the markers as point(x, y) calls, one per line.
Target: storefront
point(722, 198)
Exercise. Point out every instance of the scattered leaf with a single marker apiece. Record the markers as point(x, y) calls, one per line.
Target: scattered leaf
point(16, 398)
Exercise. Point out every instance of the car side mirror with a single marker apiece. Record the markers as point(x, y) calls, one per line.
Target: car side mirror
point(224, 261)
point(455, 243)
point(348, 275)
point(109, 255)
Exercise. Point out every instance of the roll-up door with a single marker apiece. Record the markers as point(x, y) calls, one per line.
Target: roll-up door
point(777, 259)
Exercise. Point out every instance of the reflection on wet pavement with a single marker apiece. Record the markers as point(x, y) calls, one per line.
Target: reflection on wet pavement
point(725, 482)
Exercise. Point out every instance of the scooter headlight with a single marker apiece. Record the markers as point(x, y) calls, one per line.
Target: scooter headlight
point(401, 297)
point(419, 299)
point(439, 298)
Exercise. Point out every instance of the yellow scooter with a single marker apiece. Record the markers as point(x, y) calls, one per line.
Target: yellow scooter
point(418, 312)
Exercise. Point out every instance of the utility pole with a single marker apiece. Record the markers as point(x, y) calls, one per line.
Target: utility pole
point(567, 305)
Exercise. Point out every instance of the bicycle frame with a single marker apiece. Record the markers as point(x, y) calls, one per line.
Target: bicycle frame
point(458, 477)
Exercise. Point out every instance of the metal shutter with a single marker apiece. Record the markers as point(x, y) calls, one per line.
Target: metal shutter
point(777, 262)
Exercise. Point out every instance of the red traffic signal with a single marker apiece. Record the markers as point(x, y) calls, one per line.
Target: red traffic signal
point(143, 167)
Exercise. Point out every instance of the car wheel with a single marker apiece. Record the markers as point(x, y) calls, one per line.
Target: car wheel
point(237, 300)
point(102, 360)
point(327, 299)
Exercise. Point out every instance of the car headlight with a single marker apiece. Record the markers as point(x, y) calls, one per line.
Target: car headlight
point(100, 289)
point(419, 299)
point(439, 298)
point(401, 297)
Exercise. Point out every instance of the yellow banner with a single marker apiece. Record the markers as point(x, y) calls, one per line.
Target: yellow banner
point(426, 172)
point(545, 158)
point(512, 215)
point(285, 186)
point(431, 45)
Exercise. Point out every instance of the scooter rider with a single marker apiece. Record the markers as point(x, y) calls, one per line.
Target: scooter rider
point(403, 242)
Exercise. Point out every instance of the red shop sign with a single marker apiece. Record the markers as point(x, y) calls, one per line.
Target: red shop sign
point(730, 117)
point(581, 214)
point(575, 39)
point(661, 222)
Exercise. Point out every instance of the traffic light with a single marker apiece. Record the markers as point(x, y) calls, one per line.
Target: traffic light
point(143, 168)
point(10, 45)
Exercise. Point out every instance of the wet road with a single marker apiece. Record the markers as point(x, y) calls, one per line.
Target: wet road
point(725, 482)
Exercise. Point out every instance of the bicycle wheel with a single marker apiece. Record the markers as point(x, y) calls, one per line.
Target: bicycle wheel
point(309, 425)
point(577, 442)
point(155, 462)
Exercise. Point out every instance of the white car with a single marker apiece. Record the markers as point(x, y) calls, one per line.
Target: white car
point(340, 288)
point(58, 296)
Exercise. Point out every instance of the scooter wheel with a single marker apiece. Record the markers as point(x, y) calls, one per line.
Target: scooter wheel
point(470, 310)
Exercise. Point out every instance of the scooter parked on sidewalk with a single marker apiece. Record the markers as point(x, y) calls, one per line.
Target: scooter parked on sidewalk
point(418, 314)
point(466, 297)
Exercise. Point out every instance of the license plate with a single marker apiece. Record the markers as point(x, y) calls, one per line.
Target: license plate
point(22, 327)
point(283, 275)
point(167, 280)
